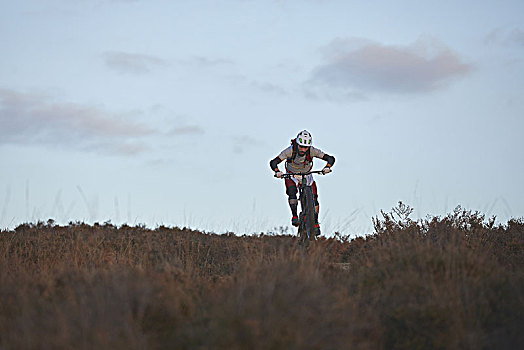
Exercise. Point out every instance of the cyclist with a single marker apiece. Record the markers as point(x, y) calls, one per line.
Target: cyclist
point(299, 159)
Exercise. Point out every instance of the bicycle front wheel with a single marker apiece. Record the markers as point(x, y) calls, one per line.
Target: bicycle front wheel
point(308, 207)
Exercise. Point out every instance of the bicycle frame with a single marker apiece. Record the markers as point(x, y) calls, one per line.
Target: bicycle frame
point(306, 228)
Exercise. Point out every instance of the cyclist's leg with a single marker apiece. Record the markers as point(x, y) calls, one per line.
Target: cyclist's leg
point(317, 206)
point(291, 191)
point(315, 196)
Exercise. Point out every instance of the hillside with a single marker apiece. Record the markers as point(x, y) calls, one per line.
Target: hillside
point(446, 282)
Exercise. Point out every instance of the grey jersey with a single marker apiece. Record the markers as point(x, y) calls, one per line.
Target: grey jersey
point(299, 164)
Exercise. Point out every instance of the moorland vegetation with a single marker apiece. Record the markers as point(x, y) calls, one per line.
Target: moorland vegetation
point(452, 282)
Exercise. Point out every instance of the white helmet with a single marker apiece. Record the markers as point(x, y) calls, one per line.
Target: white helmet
point(304, 139)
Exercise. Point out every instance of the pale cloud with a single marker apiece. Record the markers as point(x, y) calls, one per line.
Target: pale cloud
point(131, 63)
point(186, 130)
point(332, 95)
point(493, 36)
point(241, 143)
point(267, 87)
point(36, 119)
point(211, 62)
point(359, 65)
point(238, 80)
point(517, 36)
point(203, 62)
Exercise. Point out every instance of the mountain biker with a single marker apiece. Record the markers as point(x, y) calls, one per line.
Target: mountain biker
point(299, 159)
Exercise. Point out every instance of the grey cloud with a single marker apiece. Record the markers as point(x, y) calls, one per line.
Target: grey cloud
point(501, 36)
point(130, 63)
point(362, 65)
point(125, 148)
point(34, 119)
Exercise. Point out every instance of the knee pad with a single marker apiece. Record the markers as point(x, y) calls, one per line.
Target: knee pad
point(293, 201)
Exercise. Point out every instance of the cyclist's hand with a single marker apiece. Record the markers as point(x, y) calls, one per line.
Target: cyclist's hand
point(326, 170)
point(279, 174)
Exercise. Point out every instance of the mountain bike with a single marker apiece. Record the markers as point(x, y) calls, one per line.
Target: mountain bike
point(306, 218)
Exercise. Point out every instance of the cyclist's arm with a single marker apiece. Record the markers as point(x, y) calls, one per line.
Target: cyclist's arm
point(329, 159)
point(285, 154)
point(273, 164)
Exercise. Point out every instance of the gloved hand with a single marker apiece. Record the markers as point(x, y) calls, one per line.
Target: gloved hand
point(326, 170)
point(279, 174)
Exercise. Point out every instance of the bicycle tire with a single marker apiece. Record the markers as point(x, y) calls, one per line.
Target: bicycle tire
point(302, 234)
point(308, 207)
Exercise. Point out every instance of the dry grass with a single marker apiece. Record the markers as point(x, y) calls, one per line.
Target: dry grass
point(452, 282)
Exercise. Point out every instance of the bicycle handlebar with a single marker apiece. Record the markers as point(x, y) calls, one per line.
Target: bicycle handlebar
point(288, 175)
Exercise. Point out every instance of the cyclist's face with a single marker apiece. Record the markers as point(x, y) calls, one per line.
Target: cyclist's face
point(302, 150)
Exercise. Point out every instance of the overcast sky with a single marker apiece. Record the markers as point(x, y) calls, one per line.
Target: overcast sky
point(168, 112)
